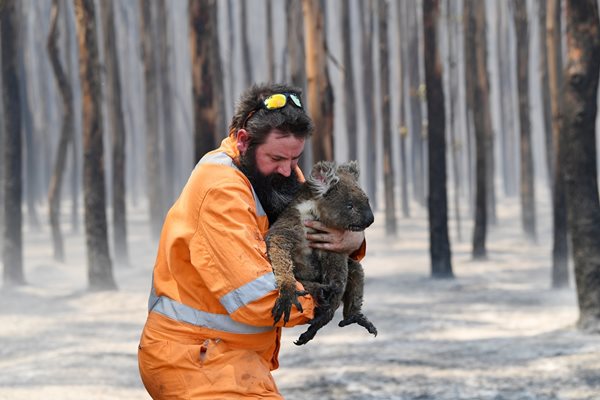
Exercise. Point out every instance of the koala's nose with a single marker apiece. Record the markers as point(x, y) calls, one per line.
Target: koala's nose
point(368, 216)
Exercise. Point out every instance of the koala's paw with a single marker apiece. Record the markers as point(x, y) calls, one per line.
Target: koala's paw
point(361, 320)
point(283, 305)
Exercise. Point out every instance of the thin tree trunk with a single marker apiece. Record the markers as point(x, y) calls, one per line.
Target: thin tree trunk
point(99, 264)
point(505, 64)
point(246, 53)
point(579, 145)
point(560, 255)
point(368, 88)
point(153, 171)
point(270, 46)
point(545, 87)
point(320, 91)
point(76, 148)
point(297, 61)
point(441, 259)
point(169, 139)
point(453, 102)
point(117, 127)
point(66, 136)
point(416, 112)
point(386, 120)
point(476, 72)
point(202, 29)
point(349, 95)
point(12, 251)
point(527, 174)
point(403, 129)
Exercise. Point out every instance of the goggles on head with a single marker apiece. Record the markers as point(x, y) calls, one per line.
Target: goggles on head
point(275, 102)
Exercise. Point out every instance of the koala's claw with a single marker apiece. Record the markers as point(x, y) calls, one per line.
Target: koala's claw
point(283, 305)
point(361, 320)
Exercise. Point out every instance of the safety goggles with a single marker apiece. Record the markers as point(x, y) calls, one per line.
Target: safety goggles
point(275, 102)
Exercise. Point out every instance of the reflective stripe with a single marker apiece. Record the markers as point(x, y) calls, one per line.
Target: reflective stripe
point(248, 293)
point(223, 159)
point(182, 313)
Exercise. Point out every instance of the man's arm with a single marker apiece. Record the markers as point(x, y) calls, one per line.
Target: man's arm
point(336, 240)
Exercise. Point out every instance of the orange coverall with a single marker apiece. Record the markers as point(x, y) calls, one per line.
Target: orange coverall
point(209, 332)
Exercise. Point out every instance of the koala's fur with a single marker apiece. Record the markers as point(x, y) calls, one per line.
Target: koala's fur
point(333, 196)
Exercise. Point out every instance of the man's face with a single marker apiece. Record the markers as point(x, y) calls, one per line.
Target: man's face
point(270, 167)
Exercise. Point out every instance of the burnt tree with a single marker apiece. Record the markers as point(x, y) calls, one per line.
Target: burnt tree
point(100, 273)
point(12, 251)
point(366, 14)
point(560, 253)
point(117, 133)
point(527, 175)
point(476, 72)
point(403, 128)
point(439, 244)
point(320, 92)
point(154, 177)
point(579, 145)
point(349, 96)
point(202, 30)
point(386, 120)
point(66, 135)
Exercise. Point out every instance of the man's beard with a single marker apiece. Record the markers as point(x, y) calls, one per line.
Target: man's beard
point(274, 191)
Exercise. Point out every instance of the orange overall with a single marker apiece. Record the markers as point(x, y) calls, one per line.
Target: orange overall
point(209, 332)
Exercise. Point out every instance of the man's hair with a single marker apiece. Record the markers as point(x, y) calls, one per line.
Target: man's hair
point(258, 121)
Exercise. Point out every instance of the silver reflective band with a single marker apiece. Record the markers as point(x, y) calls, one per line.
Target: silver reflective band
point(248, 293)
point(224, 159)
point(182, 313)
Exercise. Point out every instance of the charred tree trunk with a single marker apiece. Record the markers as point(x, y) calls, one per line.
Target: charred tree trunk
point(153, 170)
point(545, 87)
point(386, 121)
point(320, 91)
point(76, 148)
point(416, 113)
point(403, 129)
point(12, 252)
point(270, 46)
point(99, 264)
point(505, 68)
point(68, 125)
point(527, 175)
point(169, 138)
point(441, 259)
point(452, 34)
point(117, 128)
point(349, 96)
point(476, 72)
point(579, 145)
point(368, 88)
point(246, 54)
point(560, 253)
point(297, 61)
point(202, 29)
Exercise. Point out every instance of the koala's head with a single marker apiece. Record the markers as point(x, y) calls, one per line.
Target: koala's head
point(340, 202)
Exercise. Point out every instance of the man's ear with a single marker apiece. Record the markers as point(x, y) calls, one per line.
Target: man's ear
point(322, 177)
point(243, 140)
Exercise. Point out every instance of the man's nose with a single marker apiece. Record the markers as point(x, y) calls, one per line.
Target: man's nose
point(285, 169)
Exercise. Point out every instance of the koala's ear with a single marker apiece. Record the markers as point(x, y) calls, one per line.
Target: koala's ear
point(351, 168)
point(322, 177)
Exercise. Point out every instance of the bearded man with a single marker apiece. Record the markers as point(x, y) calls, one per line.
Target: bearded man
point(209, 332)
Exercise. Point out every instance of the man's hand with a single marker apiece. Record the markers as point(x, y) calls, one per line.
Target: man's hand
point(336, 240)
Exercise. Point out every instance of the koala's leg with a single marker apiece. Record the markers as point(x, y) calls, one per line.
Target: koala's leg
point(353, 298)
point(283, 269)
point(334, 270)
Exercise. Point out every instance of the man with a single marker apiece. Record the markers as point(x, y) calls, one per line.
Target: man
point(209, 332)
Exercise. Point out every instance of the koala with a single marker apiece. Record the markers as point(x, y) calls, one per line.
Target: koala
point(332, 195)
